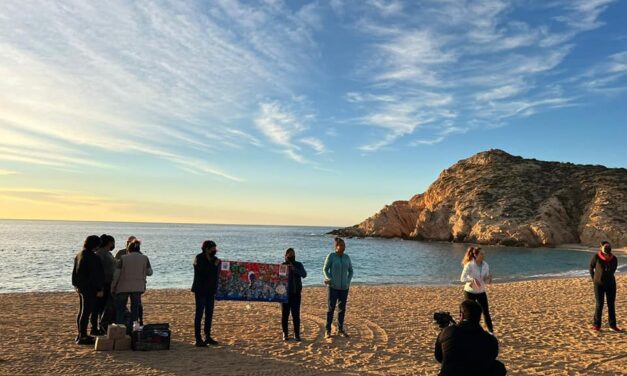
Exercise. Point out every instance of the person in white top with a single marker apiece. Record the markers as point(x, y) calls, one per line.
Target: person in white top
point(477, 275)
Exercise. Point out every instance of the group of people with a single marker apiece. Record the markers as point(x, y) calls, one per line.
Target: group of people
point(105, 283)
point(467, 349)
point(337, 270)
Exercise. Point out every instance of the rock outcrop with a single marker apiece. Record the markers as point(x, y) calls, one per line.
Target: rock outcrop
point(496, 198)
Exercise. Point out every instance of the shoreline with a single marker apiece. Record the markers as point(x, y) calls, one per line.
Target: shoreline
point(622, 270)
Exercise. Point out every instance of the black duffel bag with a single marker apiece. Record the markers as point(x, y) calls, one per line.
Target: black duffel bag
point(151, 337)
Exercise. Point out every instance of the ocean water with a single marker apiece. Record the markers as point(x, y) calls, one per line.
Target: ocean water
point(38, 255)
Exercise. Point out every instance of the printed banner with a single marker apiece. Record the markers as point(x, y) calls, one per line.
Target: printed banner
point(252, 281)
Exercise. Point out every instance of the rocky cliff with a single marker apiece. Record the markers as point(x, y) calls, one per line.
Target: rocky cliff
point(496, 198)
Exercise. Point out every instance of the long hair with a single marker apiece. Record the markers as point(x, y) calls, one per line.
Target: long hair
point(134, 246)
point(290, 250)
point(471, 254)
point(91, 242)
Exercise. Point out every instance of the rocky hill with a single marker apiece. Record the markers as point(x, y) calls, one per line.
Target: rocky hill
point(496, 198)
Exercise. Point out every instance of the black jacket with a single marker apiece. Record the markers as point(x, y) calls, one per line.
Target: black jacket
point(466, 349)
point(602, 272)
point(88, 273)
point(295, 275)
point(206, 273)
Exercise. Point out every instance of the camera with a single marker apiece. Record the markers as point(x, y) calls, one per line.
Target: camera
point(443, 319)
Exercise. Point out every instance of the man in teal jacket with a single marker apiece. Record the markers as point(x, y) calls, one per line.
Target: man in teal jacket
point(338, 273)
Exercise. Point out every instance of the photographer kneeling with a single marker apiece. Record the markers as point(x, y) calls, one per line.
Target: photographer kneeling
point(466, 349)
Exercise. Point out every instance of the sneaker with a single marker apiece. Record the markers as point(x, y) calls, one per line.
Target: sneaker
point(86, 340)
point(211, 341)
point(200, 344)
point(327, 334)
point(343, 333)
point(596, 328)
point(616, 329)
point(296, 337)
point(285, 337)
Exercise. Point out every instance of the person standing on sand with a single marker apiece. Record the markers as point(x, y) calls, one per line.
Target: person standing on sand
point(204, 287)
point(602, 268)
point(130, 281)
point(476, 274)
point(294, 288)
point(88, 281)
point(118, 256)
point(338, 273)
point(105, 311)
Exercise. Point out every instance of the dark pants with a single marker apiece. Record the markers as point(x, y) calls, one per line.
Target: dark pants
point(482, 299)
point(121, 299)
point(87, 305)
point(600, 292)
point(104, 313)
point(204, 304)
point(293, 306)
point(497, 369)
point(334, 296)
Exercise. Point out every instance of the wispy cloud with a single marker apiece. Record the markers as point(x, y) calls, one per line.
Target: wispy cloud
point(60, 197)
point(316, 144)
point(488, 63)
point(282, 125)
point(7, 172)
point(170, 80)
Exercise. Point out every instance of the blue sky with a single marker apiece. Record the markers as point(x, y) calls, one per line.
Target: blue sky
point(300, 112)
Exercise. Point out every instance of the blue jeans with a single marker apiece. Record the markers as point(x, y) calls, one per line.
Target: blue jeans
point(120, 304)
point(334, 296)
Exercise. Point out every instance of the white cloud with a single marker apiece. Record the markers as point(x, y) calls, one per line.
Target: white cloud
point(473, 63)
point(278, 125)
point(315, 143)
point(386, 7)
point(171, 80)
point(282, 125)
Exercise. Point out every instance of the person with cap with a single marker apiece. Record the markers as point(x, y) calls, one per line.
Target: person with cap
point(338, 273)
point(602, 268)
point(296, 272)
point(466, 349)
point(205, 287)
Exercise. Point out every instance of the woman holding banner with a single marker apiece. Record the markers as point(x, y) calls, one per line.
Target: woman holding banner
point(294, 288)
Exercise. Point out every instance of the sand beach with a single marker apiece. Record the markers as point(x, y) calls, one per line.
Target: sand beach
point(543, 327)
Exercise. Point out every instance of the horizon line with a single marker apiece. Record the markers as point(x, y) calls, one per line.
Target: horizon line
point(166, 223)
